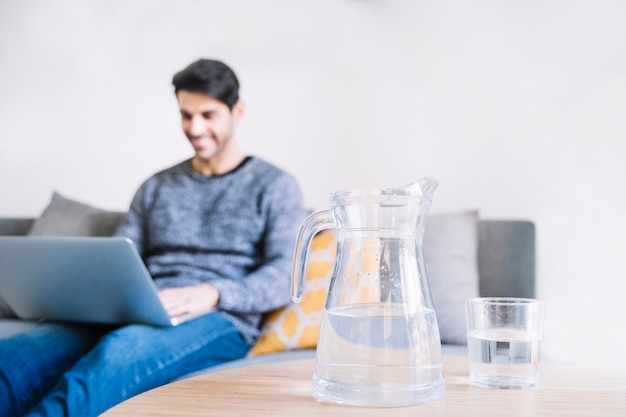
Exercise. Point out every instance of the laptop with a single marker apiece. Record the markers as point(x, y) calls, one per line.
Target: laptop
point(79, 279)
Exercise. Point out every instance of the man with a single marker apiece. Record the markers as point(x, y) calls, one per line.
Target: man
point(216, 233)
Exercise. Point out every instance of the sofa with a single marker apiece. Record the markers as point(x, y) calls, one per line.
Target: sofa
point(466, 256)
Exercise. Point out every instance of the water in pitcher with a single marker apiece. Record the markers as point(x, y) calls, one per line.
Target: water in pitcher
point(503, 358)
point(377, 354)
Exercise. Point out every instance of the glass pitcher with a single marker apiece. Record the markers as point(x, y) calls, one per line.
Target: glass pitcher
point(379, 342)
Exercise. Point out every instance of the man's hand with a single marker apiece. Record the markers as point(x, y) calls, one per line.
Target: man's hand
point(200, 298)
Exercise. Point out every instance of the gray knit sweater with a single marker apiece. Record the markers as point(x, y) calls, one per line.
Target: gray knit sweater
point(235, 231)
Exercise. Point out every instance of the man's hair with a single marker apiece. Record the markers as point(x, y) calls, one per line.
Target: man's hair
point(211, 77)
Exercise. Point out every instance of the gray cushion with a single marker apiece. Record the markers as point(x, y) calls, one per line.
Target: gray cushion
point(65, 217)
point(451, 257)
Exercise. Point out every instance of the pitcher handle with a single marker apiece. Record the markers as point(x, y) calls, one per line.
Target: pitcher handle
point(313, 224)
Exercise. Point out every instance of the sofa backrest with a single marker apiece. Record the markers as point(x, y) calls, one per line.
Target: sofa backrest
point(16, 226)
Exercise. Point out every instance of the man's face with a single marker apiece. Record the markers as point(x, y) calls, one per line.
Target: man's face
point(208, 123)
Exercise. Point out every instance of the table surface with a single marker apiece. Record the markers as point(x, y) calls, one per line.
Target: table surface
point(284, 389)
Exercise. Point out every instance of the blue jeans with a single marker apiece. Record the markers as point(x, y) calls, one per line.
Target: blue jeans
point(68, 370)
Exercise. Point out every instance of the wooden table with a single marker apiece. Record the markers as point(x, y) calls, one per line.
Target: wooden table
point(284, 389)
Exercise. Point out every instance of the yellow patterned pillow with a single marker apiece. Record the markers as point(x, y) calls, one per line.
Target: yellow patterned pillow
point(297, 325)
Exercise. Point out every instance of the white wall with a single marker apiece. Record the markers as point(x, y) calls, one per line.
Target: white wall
point(517, 108)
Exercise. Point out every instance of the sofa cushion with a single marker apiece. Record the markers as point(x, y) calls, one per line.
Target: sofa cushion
point(297, 326)
point(10, 326)
point(66, 217)
point(451, 258)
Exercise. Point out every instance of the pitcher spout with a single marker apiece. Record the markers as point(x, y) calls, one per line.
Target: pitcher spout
point(428, 186)
point(424, 187)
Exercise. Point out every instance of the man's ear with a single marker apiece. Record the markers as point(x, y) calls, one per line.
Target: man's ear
point(238, 109)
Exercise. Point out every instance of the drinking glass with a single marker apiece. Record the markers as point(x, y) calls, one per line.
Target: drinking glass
point(503, 338)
